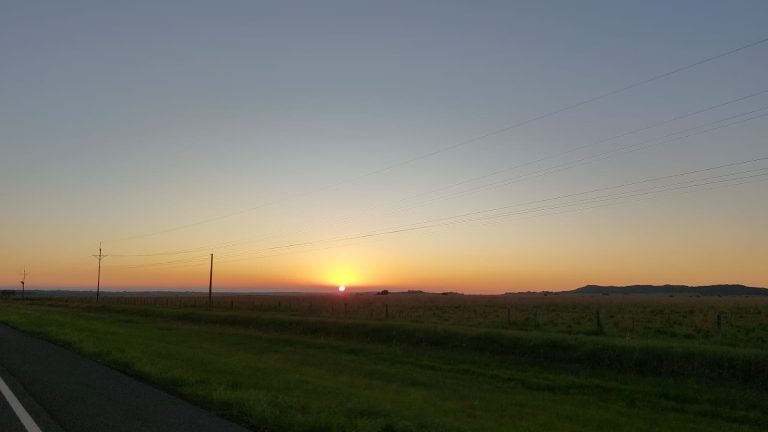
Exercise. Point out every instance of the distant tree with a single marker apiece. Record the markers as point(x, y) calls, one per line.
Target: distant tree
point(383, 292)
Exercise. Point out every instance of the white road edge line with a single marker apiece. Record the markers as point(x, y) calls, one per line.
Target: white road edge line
point(21, 413)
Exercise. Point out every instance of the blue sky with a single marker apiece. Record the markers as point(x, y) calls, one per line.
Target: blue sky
point(121, 120)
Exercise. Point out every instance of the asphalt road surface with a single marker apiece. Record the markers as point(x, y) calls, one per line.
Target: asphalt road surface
point(50, 388)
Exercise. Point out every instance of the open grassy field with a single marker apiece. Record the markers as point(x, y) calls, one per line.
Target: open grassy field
point(733, 321)
point(434, 363)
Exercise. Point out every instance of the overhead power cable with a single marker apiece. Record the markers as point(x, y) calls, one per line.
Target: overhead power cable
point(579, 205)
point(533, 206)
point(671, 137)
point(588, 145)
point(467, 141)
point(668, 138)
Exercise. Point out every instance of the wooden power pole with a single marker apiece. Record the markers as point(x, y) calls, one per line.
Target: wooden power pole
point(210, 284)
point(23, 281)
point(98, 274)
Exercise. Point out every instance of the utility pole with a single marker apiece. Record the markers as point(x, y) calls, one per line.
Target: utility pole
point(98, 275)
point(23, 281)
point(210, 284)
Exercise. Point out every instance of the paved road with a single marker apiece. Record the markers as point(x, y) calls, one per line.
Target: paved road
point(10, 420)
point(63, 391)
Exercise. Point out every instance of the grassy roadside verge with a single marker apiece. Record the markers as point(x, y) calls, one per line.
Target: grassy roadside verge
point(662, 358)
point(316, 375)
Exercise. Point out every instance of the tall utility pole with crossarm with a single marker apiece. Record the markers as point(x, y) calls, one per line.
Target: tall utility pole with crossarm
point(23, 281)
point(98, 274)
point(210, 284)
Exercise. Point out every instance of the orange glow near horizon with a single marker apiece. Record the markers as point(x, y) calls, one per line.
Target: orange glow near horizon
point(343, 275)
point(533, 267)
point(449, 280)
point(558, 253)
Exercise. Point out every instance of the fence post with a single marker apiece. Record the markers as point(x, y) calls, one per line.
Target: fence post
point(386, 311)
point(598, 321)
point(509, 316)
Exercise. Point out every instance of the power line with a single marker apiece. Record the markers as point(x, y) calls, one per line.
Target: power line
point(623, 185)
point(171, 262)
point(670, 137)
point(592, 144)
point(570, 107)
point(468, 141)
point(730, 182)
point(540, 213)
point(176, 252)
point(494, 213)
point(463, 216)
point(536, 213)
point(580, 162)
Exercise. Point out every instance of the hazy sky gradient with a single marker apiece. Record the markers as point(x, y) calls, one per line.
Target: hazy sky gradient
point(125, 122)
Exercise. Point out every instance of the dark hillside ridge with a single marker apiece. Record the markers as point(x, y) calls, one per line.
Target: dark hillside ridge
point(708, 290)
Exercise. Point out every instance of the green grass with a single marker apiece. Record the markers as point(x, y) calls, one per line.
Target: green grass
point(326, 374)
point(743, 321)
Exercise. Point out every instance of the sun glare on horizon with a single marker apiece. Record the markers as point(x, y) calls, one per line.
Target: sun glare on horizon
point(342, 276)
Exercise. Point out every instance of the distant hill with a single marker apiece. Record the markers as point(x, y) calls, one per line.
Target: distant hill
point(708, 290)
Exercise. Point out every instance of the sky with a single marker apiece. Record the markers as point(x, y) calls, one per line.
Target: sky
point(480, 147)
